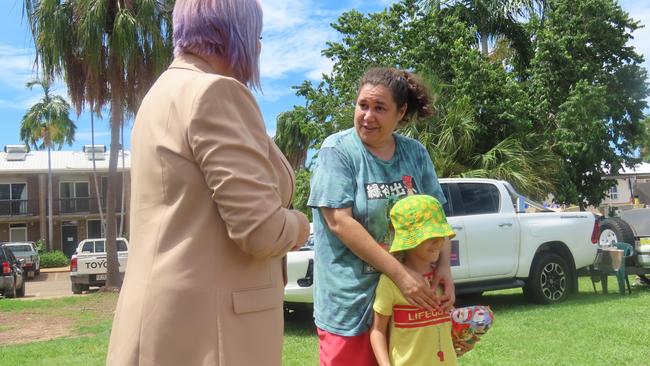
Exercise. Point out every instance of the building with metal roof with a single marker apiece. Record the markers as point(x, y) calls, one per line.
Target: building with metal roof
point(76, 196)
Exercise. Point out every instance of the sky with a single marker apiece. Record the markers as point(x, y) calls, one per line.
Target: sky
point(295, 33)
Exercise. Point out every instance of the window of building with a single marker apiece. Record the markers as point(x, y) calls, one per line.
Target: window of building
point(613, 193)
point(74, 196)
point(13, 199)
point(95, 229)
point(18, 232)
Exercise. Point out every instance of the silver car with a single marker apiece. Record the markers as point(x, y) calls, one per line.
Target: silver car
point(27, 251)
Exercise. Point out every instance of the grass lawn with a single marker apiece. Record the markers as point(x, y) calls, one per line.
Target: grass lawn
point(588, 329)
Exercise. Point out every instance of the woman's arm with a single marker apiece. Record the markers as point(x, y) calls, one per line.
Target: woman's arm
point(356, 237)
point(379, 339)
point(443, 276)
point(229, 143)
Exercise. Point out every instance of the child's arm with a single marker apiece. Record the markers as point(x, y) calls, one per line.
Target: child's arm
point(379, 338)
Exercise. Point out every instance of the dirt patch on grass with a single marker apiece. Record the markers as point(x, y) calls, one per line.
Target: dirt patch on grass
point(32, 327)
point(54, 320)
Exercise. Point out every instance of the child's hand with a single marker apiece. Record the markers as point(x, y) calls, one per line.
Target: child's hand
point(462, 347)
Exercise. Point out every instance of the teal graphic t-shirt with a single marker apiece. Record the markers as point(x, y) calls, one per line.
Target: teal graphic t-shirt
point(348, 175)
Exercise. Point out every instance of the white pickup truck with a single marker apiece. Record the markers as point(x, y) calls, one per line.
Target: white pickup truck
point(503, 240)
point(88, 264)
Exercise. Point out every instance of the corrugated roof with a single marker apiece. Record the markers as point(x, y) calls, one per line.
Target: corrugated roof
point(62, 161)
point(643, 168)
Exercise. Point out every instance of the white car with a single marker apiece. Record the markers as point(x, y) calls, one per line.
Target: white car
point(503, 240)
point(299, 289)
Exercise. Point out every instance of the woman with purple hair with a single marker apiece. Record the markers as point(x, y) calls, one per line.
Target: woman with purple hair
point(210, 191)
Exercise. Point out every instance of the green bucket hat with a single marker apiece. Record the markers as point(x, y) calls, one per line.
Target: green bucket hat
point(418, 218)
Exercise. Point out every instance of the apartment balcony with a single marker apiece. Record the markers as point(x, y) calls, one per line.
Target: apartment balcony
point(9, 208)
point(62, 206)
point(76, 205)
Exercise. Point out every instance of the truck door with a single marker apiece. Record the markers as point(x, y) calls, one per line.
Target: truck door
point(459, 256)
point(490, 231)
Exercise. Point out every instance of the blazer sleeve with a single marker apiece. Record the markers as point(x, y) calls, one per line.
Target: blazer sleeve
point(230, 145)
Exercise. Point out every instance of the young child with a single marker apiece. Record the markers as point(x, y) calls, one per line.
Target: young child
point(416, 335)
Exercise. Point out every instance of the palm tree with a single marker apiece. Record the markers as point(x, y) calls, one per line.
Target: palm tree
point(109, 53)
point(294, 136)
point(47, 125)
point(451, 137)
point(493, 20)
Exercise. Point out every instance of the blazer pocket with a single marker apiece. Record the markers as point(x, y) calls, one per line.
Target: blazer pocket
point(259, 299)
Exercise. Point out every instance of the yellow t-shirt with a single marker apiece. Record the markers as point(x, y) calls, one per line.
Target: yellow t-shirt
point(416, 336)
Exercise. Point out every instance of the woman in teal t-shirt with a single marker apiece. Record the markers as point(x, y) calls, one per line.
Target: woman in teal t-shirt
point(357, 172)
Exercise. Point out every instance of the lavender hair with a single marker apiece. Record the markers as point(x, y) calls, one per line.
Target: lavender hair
point(227, 28)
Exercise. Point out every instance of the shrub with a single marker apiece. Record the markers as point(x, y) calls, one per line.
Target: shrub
point(54, 259)
point(40, 246)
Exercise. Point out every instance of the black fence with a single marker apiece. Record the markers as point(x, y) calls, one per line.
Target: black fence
point(62, 206)
point(18, 207)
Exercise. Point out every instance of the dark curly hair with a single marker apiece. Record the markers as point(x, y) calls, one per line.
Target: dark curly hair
point(406, 88)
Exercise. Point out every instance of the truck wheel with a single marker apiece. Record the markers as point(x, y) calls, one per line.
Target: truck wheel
point(550, 280)
point(78, 289)
point(615, 230)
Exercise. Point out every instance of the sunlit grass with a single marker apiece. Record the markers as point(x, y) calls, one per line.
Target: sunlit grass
point(587, 329)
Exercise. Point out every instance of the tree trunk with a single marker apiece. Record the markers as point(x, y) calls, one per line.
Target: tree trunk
point(42, 207)
point(123, 182)
point(97, 192)
point(113, 280)
point(484, 45)
point(50, 224)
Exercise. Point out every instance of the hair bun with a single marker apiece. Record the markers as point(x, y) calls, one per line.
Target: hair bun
point(405, 87)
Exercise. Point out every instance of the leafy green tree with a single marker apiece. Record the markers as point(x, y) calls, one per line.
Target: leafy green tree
point(551, 126)
point(589, 92)
point(109, 53)
point(645, 141)
point(301, 195)
point(47, 125)
point(451, 137)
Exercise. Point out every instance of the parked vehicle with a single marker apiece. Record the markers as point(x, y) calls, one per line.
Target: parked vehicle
point(88, 264)
point(633, 227)
point(300, 267)
point(503, 240)
point(27, 251)
point(12, 277)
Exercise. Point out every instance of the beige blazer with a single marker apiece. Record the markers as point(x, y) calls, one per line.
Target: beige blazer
point(204, 282)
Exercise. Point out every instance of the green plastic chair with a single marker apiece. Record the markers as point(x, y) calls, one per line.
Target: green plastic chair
point(621, 274)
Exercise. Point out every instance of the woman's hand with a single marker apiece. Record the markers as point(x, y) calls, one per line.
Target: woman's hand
point(443, 277)
point(303, 231)
point(416, 290)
